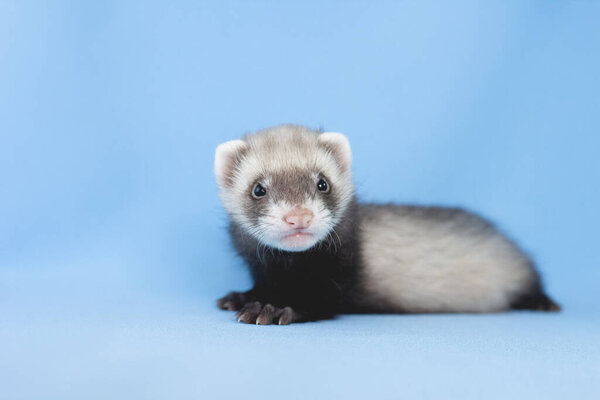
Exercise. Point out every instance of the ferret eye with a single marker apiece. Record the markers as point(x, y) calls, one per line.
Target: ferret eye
point(323, 186)
point(258, 191)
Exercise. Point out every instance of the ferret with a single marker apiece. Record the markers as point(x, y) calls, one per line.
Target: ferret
point(314, 251)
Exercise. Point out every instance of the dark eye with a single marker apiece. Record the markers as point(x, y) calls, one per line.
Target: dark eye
point(322, 186)
point(258, 191)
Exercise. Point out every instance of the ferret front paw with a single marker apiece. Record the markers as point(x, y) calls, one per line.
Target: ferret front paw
point(234, 301)
point(266, 314)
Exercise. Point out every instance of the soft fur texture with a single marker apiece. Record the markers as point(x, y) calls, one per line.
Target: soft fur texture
point(355, 257)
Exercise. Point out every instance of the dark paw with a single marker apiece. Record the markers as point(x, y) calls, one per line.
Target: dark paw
point(267, 314)
point(234, 301)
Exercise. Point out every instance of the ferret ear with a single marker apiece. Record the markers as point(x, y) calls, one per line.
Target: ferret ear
point(226, 157)
point(339, 146)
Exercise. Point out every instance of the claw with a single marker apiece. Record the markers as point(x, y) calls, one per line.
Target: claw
point(266, 315)
point(249, 312)
point(286, 316)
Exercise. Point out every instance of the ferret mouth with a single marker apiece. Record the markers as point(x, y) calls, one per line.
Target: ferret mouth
point(297, 240)
point(300, 233)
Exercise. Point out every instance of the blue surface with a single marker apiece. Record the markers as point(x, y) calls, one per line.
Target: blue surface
point(112, 240)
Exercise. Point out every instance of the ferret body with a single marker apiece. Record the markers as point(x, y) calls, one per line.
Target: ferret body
point(313, 251)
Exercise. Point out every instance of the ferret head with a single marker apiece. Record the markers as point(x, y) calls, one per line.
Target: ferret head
point(286, 186)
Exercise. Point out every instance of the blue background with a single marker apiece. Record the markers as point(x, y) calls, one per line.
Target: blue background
point(112, 239)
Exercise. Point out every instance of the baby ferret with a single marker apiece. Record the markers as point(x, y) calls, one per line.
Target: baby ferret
point(313, 251)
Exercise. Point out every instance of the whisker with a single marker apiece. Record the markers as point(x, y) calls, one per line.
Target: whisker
point(338, 236)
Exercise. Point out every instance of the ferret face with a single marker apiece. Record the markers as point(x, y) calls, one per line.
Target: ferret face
point(287, 186)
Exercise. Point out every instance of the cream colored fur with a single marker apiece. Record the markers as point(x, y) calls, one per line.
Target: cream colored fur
point(418, 264)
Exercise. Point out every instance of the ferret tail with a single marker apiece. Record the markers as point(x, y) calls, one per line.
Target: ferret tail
point(538, 301)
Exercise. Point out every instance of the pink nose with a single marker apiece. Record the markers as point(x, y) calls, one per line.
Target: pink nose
point(298, 217)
